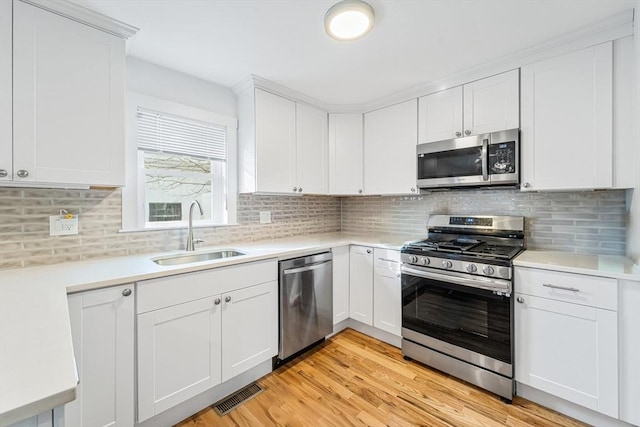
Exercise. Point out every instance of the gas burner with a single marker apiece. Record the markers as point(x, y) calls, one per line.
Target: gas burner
point(471, 245)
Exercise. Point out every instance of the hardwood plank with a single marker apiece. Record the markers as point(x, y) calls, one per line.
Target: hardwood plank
point(356, 380)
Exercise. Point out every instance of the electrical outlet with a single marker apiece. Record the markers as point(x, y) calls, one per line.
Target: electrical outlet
point(63, 226)
point(265, 217)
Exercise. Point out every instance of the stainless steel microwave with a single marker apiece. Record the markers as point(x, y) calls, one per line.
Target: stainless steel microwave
point(472, 161)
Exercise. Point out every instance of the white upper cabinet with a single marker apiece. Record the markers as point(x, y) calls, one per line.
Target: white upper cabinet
point(440, 115)
point(68, 102)
point(390, 138)
point(275, 143)
point(283, 145)
point(482, 106)
point(567, 121)
point(345, 154)
point(6, 90)
point(312, 150)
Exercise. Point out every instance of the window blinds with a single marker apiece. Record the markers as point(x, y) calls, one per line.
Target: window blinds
point(176, 135)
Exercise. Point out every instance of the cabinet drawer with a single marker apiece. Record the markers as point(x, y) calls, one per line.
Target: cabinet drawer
point(574, 288)
point(171, 290)
point(386, 258)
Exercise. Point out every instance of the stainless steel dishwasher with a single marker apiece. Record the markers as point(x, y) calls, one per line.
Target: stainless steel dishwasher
point(306, 302)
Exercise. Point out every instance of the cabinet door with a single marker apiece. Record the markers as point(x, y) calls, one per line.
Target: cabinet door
point(568, 350)
point(102, 327)
point(6, 100)
point(567, 137)
point(361, 284)
point(387, 291)
point(68, 100)
point(42, 420)
point(312, 148)
point(492, 104)
point(275, 130)
point(390, 139)
point(440, 115)
point(345, 154)
point(178, 354)
point(249, 328)
point(340, 284)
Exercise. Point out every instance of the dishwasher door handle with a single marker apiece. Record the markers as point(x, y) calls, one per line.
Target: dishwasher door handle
point(306, 268)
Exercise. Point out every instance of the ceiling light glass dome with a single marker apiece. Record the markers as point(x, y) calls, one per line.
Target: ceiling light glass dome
point(349, 20)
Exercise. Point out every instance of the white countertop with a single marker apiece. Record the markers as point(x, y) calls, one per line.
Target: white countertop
point(615, 267)
point(37, 369)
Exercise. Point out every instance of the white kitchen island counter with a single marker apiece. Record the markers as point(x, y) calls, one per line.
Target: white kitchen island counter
point(37, 369)
point(615, 267)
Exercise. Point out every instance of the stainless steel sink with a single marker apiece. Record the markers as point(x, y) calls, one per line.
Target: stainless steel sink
point(197, 257)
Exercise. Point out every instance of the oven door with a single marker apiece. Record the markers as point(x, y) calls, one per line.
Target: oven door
point(447, 312)
point(455, 162)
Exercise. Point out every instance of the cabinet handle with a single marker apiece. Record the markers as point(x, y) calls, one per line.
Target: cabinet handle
point(467, 132)
point(397, 274)
point(520, 300)
point(368, 251)
point(564, 288)
point(413, 190)
point(300, 190)
point(126, 292)
point(3, 173)
point(22, 173)
point(526, 185)
point(458, 133)
point(216, 301)
point(227, 299)
point(360, 191)
point(295, 189)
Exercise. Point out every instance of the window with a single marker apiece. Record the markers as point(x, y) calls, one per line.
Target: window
point(181, 154)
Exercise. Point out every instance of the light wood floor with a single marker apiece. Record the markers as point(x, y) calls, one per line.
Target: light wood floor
point(353, 379)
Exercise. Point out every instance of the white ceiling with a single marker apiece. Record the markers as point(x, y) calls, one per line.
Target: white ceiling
point(413, 42)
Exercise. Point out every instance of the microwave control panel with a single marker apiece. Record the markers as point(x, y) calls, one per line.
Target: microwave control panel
point(502, 157)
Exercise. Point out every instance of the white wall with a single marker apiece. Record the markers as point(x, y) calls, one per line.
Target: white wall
point(633, 196)
point(160, 82)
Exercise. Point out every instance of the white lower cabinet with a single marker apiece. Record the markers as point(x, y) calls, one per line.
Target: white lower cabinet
point(249, 328)
point(178, 354)
point(387, 293)
point(102, 327)
point(566, 337)
point(42, 420)
point(374, 289)
point(340, 284)
point(361, 284)
point(200, 329)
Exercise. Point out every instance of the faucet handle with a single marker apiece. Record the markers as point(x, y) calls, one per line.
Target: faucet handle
point(197, 240)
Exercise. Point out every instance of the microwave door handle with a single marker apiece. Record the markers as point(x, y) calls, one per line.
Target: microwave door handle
point(485, 160)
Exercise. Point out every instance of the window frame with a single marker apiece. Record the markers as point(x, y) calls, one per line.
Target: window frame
point(133, 209)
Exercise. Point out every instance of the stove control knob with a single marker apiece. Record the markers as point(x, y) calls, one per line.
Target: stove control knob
point(413, 259)
point(471, 268)
point(488, 270)
point(425, 261)
point(447, 264)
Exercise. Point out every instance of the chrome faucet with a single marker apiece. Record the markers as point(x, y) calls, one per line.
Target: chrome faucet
point(190, 242)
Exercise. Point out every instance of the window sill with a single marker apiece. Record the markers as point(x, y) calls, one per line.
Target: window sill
point(176, 227)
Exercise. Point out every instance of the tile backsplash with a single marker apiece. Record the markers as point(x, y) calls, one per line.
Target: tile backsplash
point(588, 222)
point(24, 225)
point(583, 221)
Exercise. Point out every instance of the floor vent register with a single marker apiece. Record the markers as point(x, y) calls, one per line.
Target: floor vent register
point(230, 403)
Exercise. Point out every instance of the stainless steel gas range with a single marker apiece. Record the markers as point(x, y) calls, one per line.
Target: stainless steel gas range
point(457, 311)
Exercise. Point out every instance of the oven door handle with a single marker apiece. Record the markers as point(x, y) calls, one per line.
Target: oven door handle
point(497, 285)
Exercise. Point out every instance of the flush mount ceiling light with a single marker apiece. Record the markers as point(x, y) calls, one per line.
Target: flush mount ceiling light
point(349, 20)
